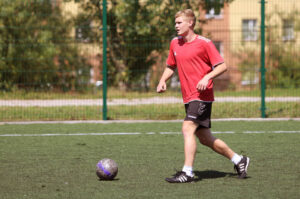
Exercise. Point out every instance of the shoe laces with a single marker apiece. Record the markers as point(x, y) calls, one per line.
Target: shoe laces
point(236, 168)
point(178, 173)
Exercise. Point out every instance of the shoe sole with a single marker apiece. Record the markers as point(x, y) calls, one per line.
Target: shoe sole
point(248, 161)
point(170, 181)
point(180, 182)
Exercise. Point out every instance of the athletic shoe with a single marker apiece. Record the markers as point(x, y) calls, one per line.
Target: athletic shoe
point(180, 177)
point(242, 166)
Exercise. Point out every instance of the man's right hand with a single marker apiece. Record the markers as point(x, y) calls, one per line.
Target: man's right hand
point(161, 87)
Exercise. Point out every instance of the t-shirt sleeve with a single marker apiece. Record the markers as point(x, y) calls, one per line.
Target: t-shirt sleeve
point(213, 55)
point(171, 61)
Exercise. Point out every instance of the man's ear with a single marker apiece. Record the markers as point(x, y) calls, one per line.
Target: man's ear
point(191, 23)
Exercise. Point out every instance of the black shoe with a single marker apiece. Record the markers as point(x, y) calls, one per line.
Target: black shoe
point(242, 166)
point(180, 177)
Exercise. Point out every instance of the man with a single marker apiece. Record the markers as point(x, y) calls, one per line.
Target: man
point(198, 62)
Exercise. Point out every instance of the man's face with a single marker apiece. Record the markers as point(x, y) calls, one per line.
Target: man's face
point(182, 25)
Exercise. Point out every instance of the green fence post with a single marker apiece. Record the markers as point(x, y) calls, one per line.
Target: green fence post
point(104, 61)
point(262, 60)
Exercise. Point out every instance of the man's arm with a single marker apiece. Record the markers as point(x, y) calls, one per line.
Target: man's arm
point(167, 74)
point(220, 69)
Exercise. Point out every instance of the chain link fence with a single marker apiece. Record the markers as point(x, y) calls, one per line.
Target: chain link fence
point(51, 65)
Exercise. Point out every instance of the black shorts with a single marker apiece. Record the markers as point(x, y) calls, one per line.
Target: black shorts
point(199, 112)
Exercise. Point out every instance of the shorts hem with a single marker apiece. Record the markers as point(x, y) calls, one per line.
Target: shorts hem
point(200, 123)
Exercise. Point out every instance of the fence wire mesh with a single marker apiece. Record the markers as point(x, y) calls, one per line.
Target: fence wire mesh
point(51, 58)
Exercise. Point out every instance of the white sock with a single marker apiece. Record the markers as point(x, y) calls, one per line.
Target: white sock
point(188, 170)
point(236, 159)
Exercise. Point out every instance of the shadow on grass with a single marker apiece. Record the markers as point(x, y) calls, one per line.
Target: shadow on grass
point(113, 180)
point(212, 174)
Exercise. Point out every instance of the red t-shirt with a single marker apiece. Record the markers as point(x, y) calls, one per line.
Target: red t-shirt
point(193, 61)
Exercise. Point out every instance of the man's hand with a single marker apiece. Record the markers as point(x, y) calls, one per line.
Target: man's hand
point(202, 84)
point(161, 87)
point(219, 69)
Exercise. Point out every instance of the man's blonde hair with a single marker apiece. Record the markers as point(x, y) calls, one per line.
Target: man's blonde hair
point(188, 13)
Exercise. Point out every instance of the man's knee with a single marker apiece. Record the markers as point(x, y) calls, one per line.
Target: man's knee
point(188, 128)
point(205, 137)
point(205, 141)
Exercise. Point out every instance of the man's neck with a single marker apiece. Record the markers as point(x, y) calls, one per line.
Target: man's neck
point(190, 37)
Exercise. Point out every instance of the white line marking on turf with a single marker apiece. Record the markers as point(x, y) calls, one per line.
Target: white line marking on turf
point(286, 131)
point(217, 132)
point(254, 132)
point(150, 133)
point(69, 134)
point(170, 133)
point(134, 133)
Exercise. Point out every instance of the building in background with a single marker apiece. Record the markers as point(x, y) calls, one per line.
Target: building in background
point(215, 26)
point(234, 29)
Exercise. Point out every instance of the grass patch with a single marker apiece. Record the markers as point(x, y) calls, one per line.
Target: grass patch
point(151, 112)
point(64, 166)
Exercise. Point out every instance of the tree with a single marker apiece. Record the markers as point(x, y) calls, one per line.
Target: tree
point(282, 52)
point(35, 47)
point(137, 28)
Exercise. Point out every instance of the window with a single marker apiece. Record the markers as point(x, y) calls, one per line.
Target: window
point(287, 30)
point(219, 47)
point(250, 77)
point(249, 30)
point(212, 14)
point(214, 9)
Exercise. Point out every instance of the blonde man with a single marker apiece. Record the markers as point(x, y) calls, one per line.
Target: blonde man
point(198, 62)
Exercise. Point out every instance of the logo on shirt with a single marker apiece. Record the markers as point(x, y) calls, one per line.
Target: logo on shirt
point(175, 53)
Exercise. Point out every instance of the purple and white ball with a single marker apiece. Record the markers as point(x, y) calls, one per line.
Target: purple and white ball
point(107, 169)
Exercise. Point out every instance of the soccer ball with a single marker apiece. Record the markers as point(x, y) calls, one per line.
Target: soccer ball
point(107, 169)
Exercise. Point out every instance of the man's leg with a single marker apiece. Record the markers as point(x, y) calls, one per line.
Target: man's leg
point(241, 162)
point(190, 143)
point(190, 146)
point(206, 138)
